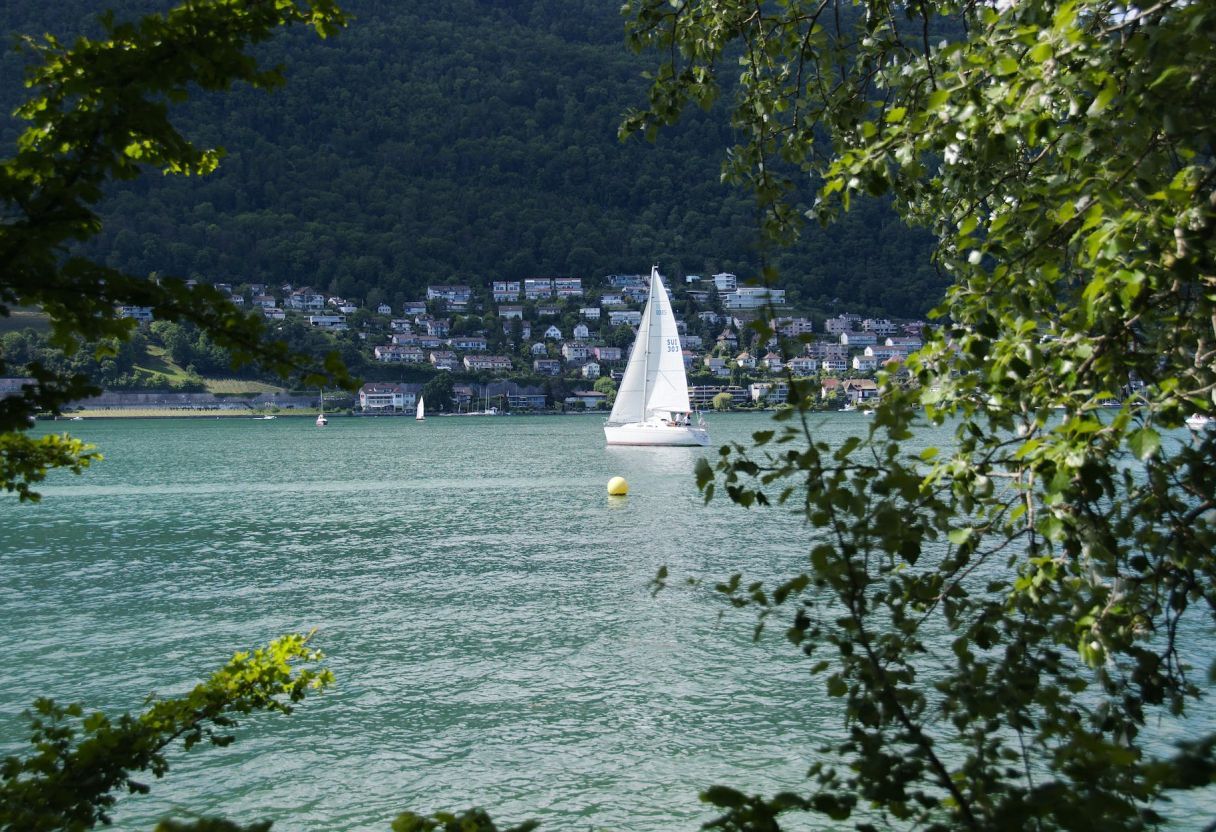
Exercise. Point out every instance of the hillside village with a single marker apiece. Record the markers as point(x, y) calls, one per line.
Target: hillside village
point(541, 343)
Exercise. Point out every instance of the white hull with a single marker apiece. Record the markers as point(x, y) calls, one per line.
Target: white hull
point(655, 433)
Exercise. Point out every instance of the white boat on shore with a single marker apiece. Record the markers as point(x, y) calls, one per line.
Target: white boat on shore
point(652, 406)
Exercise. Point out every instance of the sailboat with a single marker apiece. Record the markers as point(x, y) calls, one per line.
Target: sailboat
point(421, 417)
point(651, 406)
point(321, 420)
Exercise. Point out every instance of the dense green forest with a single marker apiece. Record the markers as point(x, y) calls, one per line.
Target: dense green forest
point(463, 141)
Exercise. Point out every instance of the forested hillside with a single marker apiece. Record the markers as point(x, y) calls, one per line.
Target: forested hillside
point(462, 141)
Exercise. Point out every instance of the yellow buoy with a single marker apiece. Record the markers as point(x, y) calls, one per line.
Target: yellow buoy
point(617, 487)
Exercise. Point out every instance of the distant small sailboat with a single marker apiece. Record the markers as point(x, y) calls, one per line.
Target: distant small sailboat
point(321, 420)
point(421, 415)
point(1199, 421)
point(652, 406)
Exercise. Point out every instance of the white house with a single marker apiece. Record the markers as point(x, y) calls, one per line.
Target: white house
point(858, 339)
point(385, 398)
point(590, 370)
point(802, 365)
point(581, 332)
point(573, 351)
point(624, 316)
point(553, 332)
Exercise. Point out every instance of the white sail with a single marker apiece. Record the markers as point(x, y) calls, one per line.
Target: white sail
point(654, 382)
point(667, 387)
point(421, 410)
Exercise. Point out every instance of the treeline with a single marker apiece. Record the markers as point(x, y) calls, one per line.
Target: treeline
point(463, 141)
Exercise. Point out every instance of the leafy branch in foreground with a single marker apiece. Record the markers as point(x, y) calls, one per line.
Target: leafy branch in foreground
point(1003, 618)
point(99, 111)
point(79, 761)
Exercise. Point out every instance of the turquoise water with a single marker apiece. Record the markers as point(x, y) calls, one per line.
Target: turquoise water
point(483, 603)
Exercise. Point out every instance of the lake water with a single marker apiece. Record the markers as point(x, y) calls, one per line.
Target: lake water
point(483, 603)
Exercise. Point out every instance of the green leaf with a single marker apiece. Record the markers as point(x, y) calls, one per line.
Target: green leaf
point(1144, 442)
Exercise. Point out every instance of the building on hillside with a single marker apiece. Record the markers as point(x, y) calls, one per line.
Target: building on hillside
point(456, 297)
point(547, 367)
point(139, 314)
point(802, 365)
point(859, 390)
point(443, 360)
point(568, 287)
point(487, 363)
point(591, 313)
point(773, 393)
point(590, 370)
point(536, 288)
point(468, 343)
point(606, 355)
point(413, 308)
point(392, 353)
point(334, 323)
point(306, 300)
point(842, 323)
point(858, 339)
point(505, 290)
point(575, 352)
point(792, 327)
point(725, 282)
point(616, 317)
point(879, 326)
point(753, 297)
point(581, 332)
point(511, 311)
